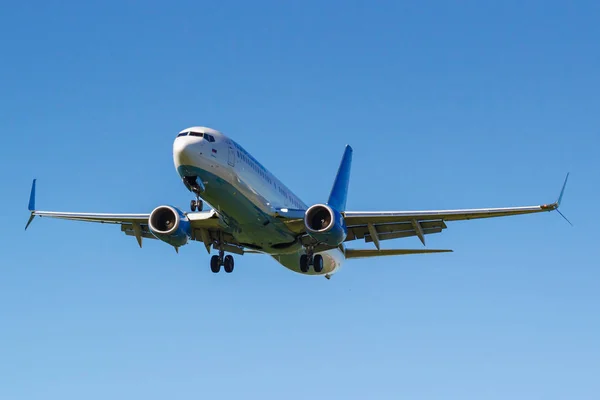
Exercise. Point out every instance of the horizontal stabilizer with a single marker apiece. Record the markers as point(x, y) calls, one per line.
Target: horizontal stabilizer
point(352, 253)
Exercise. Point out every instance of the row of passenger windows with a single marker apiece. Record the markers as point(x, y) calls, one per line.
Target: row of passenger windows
point(259, 170)
point(208, 137)
point(289, 197)
point(254, 166)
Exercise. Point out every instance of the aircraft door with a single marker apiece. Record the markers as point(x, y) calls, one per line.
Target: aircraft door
point(231, 160)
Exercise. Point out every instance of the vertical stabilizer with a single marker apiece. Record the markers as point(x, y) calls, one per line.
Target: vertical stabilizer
point(339, 192)
point(32, 197)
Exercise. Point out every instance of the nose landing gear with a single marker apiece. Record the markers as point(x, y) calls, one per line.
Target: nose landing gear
point(196, 186)
point(196, 204)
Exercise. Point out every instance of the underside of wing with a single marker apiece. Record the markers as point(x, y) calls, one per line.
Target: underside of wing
point(204, 226)
point(375, 232)
point(374, 226)
point(377, 226)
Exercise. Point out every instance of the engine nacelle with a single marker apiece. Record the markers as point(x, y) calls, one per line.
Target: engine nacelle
point(325, 224)
point(170, 225)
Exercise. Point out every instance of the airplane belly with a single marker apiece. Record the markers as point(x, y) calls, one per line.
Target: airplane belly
point(248, 222)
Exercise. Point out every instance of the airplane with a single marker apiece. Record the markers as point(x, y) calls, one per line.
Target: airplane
point(254, 212)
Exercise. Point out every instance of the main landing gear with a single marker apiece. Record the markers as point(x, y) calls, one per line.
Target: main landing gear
point(307, 260)
point(222, 260)
point(196, 204)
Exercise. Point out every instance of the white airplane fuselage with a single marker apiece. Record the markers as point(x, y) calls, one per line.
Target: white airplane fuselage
point(246, 194)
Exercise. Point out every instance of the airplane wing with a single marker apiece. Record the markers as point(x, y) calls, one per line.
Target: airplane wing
point(206, 225)
point(374, 226)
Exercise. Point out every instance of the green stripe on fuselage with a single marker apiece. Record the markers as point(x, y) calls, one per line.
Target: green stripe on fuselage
point(248, 223)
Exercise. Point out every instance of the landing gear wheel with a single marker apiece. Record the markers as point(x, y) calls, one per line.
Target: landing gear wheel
point(196, 205)
point(304, 263)
point(215, 264)
point(318, 263)
point(228, 263)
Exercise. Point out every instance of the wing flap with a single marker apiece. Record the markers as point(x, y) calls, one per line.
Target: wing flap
point(362, 231)
point(397, 235)
point(144, 231)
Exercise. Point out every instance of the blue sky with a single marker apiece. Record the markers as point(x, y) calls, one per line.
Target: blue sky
point(447, 105)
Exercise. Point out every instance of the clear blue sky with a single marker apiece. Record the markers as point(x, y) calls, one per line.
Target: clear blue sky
point(446, 105)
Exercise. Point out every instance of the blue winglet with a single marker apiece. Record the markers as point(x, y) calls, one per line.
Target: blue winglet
point(339, 192)
point(32, 197)
point(557, 204)
point(31, 205)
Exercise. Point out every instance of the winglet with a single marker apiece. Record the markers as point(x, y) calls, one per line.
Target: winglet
point(560, 199)
point(562, 191)
point(31, 204)
point(556, 205)
point(339, 192)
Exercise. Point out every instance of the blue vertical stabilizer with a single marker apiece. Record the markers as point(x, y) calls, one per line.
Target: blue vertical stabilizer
point(32, 197)
point(339, 192)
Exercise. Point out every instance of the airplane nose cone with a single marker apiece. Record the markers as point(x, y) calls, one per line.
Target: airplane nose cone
point(182, 152)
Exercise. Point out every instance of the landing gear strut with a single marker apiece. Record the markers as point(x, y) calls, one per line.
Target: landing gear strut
point(307, 260)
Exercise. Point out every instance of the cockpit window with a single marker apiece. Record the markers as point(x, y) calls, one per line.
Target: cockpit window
point(199, 134)
point(210, 138)
point(182, 134)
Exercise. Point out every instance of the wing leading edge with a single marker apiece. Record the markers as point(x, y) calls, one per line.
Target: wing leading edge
point(103, 218)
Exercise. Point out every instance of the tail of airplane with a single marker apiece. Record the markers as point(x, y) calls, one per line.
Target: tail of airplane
point(339, 192)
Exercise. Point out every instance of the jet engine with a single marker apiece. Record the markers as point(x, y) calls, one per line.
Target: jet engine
point(325, 225)
point(170, 225)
